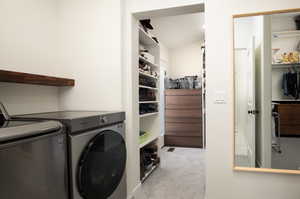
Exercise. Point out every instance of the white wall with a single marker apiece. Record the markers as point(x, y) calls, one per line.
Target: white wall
point(222, 181)
point(90, 47)
point(186, 60)
point(22, 99)
point(28, 43)
point(69, 38)
point(164, 52)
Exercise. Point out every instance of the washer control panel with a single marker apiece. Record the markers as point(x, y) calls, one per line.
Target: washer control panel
point(103, 120)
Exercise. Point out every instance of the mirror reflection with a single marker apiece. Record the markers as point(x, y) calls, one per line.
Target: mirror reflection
point(267, 91)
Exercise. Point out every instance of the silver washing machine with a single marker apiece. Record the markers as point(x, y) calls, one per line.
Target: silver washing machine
point(98, 163)
point(97, 152)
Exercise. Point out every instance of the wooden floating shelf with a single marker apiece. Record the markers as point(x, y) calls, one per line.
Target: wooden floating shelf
point(148, 114)
point(148, 87)
point(27, 78)
point(147, 62)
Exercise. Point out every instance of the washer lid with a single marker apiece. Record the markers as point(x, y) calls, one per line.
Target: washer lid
point(11, 130)
point(76, 121)
point(102, 165)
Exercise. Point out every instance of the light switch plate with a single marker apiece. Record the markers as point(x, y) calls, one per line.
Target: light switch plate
point(220, 97)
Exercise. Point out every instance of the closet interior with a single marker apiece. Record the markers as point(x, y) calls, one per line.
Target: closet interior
point(285, 90)
point(169, 86)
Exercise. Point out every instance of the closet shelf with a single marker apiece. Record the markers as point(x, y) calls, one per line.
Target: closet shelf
point(282, 66)
point(147, 62)
point(148, 102)
point(147, 75)
point(28, 78)
point(148, 87)
point(151, 139)
point(289, 33)
point(148, 114)
point(146, 39)
point(287, 100)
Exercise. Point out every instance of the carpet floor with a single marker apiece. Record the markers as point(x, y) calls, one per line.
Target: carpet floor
point(180, 176)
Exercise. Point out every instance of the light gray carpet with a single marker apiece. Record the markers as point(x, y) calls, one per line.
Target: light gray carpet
point(181, 176)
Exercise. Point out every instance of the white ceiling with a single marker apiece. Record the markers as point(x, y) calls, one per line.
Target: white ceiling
point(177, 31)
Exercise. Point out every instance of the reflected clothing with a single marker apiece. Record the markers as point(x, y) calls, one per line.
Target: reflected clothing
point(290, 84)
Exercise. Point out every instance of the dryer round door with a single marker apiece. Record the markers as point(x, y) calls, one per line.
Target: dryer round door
point(101, 166)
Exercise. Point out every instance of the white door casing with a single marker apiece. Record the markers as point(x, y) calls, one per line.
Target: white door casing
point(250, 134)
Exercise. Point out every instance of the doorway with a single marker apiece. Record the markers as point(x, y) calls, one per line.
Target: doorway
point(151, 73)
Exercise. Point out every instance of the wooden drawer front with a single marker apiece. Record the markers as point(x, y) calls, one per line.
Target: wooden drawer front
point(289, 114)
point(183, 141)
point(184, 128)
point(183, 120)
point(183, 92)
point(290, 130)
point(289, 119)
point(183, 102)
point(193, 113)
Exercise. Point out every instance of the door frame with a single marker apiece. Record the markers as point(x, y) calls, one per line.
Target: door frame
point(130, 93)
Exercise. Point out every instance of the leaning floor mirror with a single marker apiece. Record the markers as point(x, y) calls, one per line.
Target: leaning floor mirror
point(267, 92)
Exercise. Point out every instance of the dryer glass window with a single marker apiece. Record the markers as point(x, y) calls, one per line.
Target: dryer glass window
point(102, 166)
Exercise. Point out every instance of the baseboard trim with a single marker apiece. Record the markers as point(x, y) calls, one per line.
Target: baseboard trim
point(135, 192)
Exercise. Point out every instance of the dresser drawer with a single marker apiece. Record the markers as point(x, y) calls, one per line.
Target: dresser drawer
point(183, 141)
point(183, 120)
point(195, 128)
point(289, 119)
point(192, 113)
point(183, 102)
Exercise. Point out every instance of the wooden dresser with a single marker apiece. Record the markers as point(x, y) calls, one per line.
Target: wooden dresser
point(289, 119)
point(183, 118)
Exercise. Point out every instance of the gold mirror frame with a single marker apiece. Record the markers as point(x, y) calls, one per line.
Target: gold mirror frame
point(249, 169)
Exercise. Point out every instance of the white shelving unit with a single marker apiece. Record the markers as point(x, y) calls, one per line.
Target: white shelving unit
point(146, 39)
point(148, 102)
point(148, 114)
point(148, 87)
point(148, 75)
point(148, 62)
point(151, 139)
point(149, 122)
